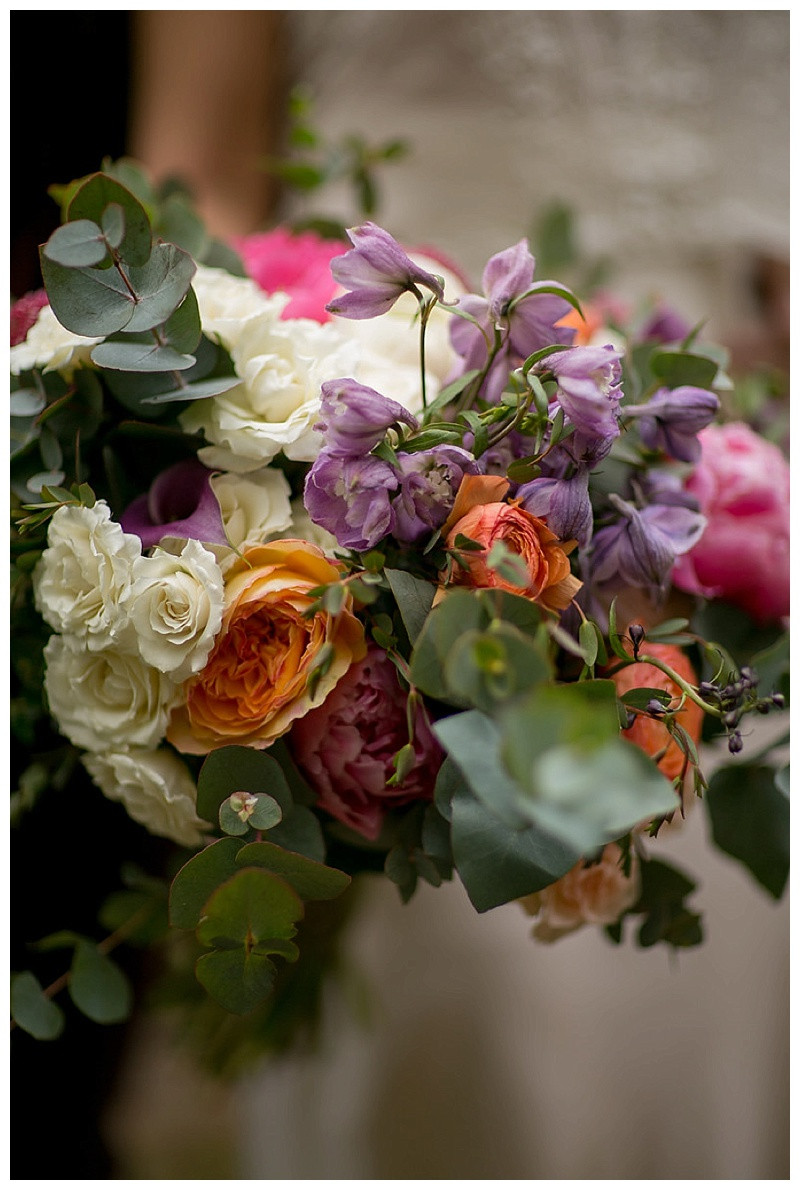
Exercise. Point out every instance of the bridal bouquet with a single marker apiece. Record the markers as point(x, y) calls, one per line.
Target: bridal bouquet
point(330, 562)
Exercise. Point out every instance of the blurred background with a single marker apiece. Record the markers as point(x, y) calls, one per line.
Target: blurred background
point(664, 137)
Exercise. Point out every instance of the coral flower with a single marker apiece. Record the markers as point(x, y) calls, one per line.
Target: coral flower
point(650, 734)
point(480, 514)
point(255, 682)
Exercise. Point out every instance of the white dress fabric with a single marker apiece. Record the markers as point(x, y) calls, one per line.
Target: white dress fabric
point(493, 1056)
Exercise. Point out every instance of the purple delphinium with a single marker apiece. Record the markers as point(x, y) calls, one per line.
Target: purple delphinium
point(641, 548)
point(355, 418)
point(349, 496)
point(429, 480)
point(376, 272)
point(672, 419)
point(520, 307)
point(179, 503)
point(563, 503)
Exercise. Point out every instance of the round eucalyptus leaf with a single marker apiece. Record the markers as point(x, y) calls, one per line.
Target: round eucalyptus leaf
point(113, 224)
point(27, 402)
point(98, 987)
point(97, 193)
point(160, 285)
point(235, 979)
point(140, 357)
point(32, 1010)
point(195, 391)
point(77, 245)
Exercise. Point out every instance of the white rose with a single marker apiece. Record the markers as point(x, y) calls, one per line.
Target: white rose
point(156, 789)
point(254, 507)
point(175, 609)
point(596, 894)
point(50, 347)
point(108, 699)
point(282, 365)
point(82, 579)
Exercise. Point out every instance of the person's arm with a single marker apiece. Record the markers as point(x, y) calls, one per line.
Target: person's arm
point(207, 93)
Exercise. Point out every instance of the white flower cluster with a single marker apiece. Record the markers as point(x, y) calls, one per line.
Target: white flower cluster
point(50, 346)
point(129, 630)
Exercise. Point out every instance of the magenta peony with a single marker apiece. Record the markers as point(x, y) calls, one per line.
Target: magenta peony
point(24, 313)
point(742, 485)
point(346, 746)
point(294, 263)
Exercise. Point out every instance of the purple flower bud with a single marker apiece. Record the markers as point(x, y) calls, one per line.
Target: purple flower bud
point(429, 481)
point(672, 419)
point(563, 503)
point(641, 548)
point(179, 503)
point(507, 275)
point(665, 325)
point(350, 498)
point(589, 390)
point(376, 271)
point(355, 418)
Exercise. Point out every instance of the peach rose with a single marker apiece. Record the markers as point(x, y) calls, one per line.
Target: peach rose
point(481, 514)
point(589, 894)
point(650, 734)
point(255, 682)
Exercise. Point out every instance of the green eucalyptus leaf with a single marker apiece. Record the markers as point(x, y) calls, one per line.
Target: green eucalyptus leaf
point(750, 822)
point(91, 302)
point(195, 391)
point(300, 831)
point(179, 223)
point(414, 597)
point(113, 224)
point(27, 402)
point(32, 1010)
point(100, 191)
point(77, 245)
point(497, 863)
point(198, 879)
point(139, 357)
point(249, 909)
point(458, 612)
point(237, 769)
point(239, 981)
point(472, 742)
point(311, 881)
point(183, 329)
point(160, 286)
point(98, 987)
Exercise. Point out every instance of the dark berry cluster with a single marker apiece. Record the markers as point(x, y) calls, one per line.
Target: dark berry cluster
point(736, 699)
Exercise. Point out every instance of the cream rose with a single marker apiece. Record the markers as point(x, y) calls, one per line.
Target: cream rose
point(595, 894)
point(254, 507)
point(83, 577)
point(156, 789)
point(175, 609)
point(108, 699)
point(282, 365)
point(50, 347)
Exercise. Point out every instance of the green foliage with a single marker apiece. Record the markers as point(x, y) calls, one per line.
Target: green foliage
point(414, 597)
point(749, 812)
point(32, 1010)
point(311, 880)
point(662, 906)
point(98, 987)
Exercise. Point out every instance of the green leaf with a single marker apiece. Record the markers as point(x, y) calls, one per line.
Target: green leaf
point(640, 696)
point(183, 328)
point(77, 245)
point(98, 192)
point(472, 741)
point(498, 864)
point(676, 368)
point(661, 899)
point(98, 987)
point(311, 880)
point(139, 357)
point(32, 1010)
point(113, 224)
point(587, 636)
point(414, 597)
point(198, 879)
point(160, 286)
point(300, 831)
point(458, 612)
point(180, 224)
point(26, 402)
point(236, 979)
point(251, 908)
point(487, 668)
point(92, 302)
point(237, 769)
point(750, 822)
point(195, 391)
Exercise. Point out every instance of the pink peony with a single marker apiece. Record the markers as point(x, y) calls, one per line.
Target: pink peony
point(24, 313)
point(297, 264)
point(742, 485)
point(345, 747)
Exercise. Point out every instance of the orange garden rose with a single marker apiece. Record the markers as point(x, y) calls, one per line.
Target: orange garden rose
point(649, 734)
point(481, 514)
point(254, 684)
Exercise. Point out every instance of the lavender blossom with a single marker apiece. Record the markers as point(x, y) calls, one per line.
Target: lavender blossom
point(664, 325)
point(641, 548)
point(179, 503)
point(429, 481)
point(350, 498)
point(563, 503)
point(672, 419)
point(376, 271)
point(355, 418)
